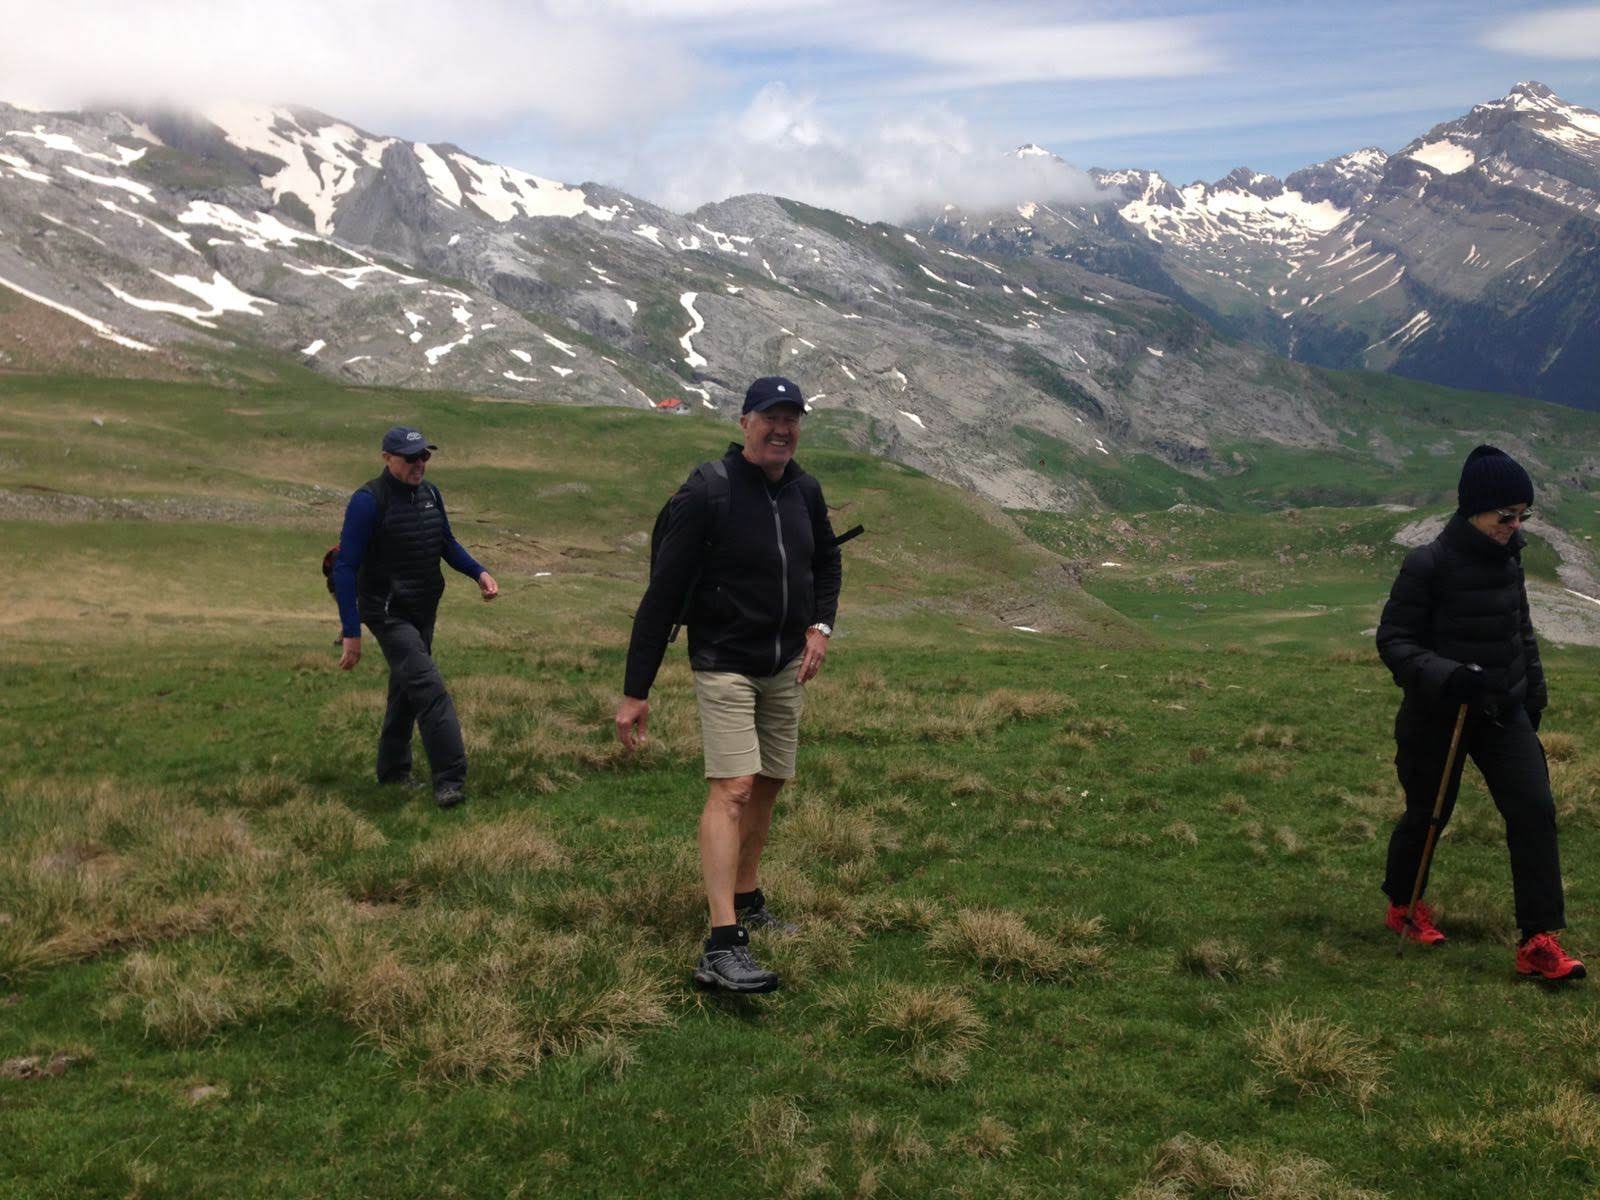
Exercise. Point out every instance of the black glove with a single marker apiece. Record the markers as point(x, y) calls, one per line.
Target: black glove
point(1535, 715)
point(1467, 685)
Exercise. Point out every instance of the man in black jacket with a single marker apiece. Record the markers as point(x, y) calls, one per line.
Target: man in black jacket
point(749, 547)
point(1457, 631)
point(387, 575)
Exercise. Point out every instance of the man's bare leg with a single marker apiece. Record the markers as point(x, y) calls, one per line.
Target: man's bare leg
point(753, 829)
point(721, 838)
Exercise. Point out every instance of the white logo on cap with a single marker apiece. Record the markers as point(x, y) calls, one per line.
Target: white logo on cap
point(413, 436)
point(780, 387)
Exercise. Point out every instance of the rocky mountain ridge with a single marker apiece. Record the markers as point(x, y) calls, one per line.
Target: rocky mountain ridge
point(1470, 257)
point(195, 237)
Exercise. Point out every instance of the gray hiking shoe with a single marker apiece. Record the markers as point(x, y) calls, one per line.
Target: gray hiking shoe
point(449, 797)
point(763, 917)
point(732, 969)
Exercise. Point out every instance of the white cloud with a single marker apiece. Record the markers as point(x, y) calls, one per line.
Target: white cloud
point(979, 48)
point(372, 61)
point(883, 171)
point(1556, 33)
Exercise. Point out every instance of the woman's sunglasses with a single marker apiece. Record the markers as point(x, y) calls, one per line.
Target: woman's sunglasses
point(1506, 516)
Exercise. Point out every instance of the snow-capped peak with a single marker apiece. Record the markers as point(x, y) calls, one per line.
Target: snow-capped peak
point(1032, 151)
point(321, 157)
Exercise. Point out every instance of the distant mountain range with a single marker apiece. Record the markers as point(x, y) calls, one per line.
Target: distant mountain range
point(1470, 258)
point(1049, 347)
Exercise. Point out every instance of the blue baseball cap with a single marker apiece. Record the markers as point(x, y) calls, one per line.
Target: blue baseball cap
point(402, 439)
point(770, 391)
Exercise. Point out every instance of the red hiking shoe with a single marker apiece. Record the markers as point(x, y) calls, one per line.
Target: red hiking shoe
point(1542, 955)
point(1422, 927)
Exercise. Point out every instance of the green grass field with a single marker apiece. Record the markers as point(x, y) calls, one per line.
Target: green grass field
point(1091, 912)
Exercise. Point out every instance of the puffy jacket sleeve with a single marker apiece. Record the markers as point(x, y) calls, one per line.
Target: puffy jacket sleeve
point(1538, 694)
point(1405, 631)
point(679, 560)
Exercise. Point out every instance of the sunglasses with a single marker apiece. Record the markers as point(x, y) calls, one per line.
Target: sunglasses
point(419, 456)
point(1506, 516)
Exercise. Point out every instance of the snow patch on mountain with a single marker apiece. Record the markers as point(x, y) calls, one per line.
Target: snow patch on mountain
point(505, 193)
point(319, 165)
point(1203, 213)
point(351, 277)
point(256, 231)
point(1445, 156)
point(182, 239)
point(438, 174)
point(21, 167)
point(94, 323)
point(690, 355)
point(113, 181)
point(67, 145)
point(219, 294)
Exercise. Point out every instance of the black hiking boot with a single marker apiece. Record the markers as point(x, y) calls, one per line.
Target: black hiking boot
point(732, 969)
point(450, 795)
point(762, 917)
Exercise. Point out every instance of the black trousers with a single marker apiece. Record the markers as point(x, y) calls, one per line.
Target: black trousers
point(417, 699)
point(1507, 752)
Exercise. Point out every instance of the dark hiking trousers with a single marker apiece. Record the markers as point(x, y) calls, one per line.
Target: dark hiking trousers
point(1508, 753)
point(417, 697)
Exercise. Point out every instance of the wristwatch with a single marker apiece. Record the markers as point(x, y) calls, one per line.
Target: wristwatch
point(823, 628)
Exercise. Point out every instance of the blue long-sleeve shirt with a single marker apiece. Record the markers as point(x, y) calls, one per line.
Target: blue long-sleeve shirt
point(360, 523)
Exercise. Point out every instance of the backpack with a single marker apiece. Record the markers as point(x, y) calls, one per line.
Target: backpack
point(332, 555)
point(716, 473)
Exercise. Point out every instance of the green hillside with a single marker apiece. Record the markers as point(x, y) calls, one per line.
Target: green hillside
point(1090, 911)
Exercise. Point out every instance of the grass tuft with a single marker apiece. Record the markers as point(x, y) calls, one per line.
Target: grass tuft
point(913, 1017)
point(1226, 960)
point(1004, 947)
point(1317, 1057)
point(1187, 1168)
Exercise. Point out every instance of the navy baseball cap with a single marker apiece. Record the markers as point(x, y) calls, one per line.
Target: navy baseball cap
point(402, 439)
point(771, 390)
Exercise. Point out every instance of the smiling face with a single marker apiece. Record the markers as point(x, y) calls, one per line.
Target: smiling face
point(407, 469)
point(1491, 524)
point(770, 437)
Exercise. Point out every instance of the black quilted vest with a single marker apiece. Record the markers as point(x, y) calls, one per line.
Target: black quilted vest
point(400, 574)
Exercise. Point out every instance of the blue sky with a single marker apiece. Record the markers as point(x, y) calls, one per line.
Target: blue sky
point(863, 105)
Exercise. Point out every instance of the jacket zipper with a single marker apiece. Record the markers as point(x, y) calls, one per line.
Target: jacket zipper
point(783, 558)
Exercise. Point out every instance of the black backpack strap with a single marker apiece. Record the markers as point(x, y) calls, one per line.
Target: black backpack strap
point(813, 494)
point(719, 495)
point(376, 489)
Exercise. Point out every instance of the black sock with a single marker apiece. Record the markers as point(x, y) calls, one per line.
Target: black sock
point(1528, 935)
point(746, 901)
point(725, 937)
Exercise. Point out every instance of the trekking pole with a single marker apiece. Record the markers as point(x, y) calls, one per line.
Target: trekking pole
point(1433, 827)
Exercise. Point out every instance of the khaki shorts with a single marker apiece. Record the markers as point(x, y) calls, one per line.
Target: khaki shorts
point(750, 725)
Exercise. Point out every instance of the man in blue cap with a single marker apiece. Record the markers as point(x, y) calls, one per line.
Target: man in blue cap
point(749, 548)
point(387, 576)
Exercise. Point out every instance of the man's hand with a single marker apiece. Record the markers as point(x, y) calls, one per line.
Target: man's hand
point(351, 654)
point(811, 658)
point(488, 586)
point(633, 719)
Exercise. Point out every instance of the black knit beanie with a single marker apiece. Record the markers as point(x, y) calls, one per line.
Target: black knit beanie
point(1491, 478)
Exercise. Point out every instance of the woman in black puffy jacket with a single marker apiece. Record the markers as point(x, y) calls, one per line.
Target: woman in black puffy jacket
point(1456, 631)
